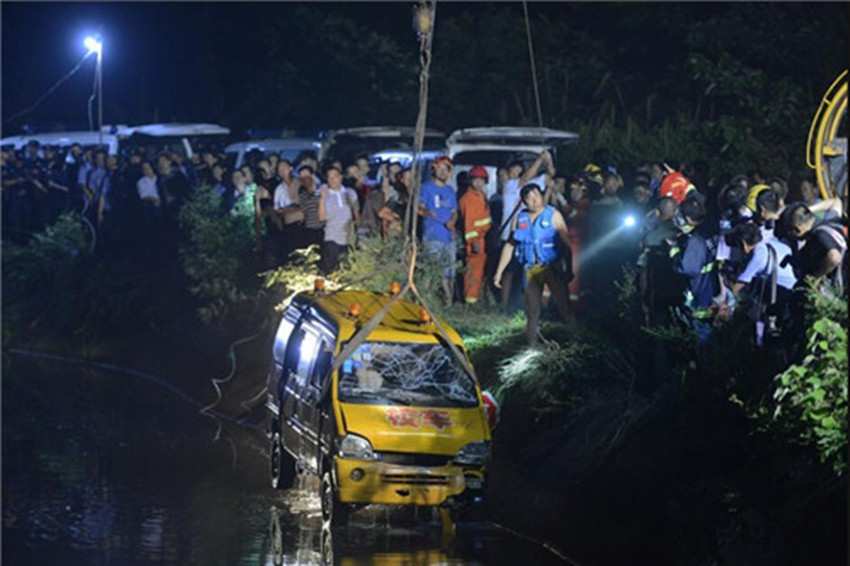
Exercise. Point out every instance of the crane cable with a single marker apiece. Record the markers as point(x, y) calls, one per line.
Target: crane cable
point(533, 67)
point(425, 14)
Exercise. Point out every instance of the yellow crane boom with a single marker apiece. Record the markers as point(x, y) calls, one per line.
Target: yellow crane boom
point(826, 152)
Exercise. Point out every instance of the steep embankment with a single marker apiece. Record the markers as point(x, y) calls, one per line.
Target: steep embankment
point(611, 473)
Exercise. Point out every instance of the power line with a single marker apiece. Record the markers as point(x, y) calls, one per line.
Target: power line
point(533, 68)
point(50, 91)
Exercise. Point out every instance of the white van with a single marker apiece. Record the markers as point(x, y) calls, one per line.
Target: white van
point(151, 138)
point(499, 146)
point(286, 148)
point(154, 138)
point(64, 140)
point(348, 143)
point(403, 157)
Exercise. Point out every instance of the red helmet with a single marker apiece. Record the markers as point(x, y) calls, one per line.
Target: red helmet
point(675, 185)
point(479, 172)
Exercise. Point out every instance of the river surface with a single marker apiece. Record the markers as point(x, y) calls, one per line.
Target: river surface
point(108, 468)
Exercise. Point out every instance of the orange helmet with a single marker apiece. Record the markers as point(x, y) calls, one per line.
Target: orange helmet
point(675, 185)
point(479, 172)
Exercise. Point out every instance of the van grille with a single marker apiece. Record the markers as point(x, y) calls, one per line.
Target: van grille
point(419, 460)
point(414, 479)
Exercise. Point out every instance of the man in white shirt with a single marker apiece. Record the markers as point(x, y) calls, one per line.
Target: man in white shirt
point(764, 257)
point(339, 209)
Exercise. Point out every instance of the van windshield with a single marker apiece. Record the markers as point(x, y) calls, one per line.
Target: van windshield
point(406, 373)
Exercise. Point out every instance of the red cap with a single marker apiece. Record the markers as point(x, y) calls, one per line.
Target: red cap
point(479, 172)
point(442, 160)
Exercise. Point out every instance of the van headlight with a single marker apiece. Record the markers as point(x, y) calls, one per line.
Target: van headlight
point(353, 446)
point(473, 454)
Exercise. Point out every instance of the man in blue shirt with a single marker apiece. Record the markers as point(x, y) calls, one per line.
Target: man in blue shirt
point(438, 207)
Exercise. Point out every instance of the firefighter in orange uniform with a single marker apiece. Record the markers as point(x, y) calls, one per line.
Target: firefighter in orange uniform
point(475, 212)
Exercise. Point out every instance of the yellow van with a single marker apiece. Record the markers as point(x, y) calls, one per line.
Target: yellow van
point(401, 422)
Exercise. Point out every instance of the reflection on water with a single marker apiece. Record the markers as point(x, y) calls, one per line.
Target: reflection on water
point(104, 469)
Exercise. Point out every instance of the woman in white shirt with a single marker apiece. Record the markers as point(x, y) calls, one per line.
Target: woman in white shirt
point(146, 185)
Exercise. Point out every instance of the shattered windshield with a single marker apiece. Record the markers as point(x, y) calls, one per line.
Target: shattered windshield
point(405, 373)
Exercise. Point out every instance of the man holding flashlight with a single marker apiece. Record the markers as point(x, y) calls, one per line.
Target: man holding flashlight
point(539, 236)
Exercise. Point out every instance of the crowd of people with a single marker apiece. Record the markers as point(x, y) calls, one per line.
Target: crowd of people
point(703, 247)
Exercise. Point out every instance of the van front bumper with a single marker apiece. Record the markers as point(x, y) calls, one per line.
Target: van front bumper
point(391, 484)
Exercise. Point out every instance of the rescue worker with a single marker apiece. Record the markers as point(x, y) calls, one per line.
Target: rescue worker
point(518, 177)
point(539, 237)
point(694, 257)
point(475, 214)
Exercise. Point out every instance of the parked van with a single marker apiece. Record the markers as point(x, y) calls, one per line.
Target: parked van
point(403, 157)
point(150, 139)
point(286, 148)
point(499, 146)
point(346, 144)
point(181, 137)
point(64, 140)
point(401, 422)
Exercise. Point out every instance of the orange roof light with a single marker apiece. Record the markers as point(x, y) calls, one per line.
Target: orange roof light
point(424, 317)
point(354, 310)
point(319, 285)
point(395, 288)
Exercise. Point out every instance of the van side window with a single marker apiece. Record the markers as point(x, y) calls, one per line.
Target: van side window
point(323, 364)
point(308, 350)
point(293, 351)
point(281, 339)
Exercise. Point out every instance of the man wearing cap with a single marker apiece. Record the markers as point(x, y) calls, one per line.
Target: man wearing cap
point(475, 213)
point(539, 237)
point(438, 207)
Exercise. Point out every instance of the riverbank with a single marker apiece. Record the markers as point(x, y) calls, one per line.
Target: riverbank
point(587, 462)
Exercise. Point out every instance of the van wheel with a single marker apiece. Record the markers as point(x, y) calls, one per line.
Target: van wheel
point(334, 513)
point(281, 464)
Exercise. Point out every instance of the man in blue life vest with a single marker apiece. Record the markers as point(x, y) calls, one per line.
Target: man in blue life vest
point(539, 237)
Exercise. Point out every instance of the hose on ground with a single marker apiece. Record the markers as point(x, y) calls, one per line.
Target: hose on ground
point(112, 368)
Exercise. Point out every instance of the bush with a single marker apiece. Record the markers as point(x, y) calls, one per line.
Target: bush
point(811, 396)
point(214, 256)
point(551, 376)
point(45, 274)
point(372, 265)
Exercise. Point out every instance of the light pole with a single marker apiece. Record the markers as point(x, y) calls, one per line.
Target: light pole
point(95, 45)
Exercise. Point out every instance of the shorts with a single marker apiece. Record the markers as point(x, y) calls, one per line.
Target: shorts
point(445, 254)
point(545, 274)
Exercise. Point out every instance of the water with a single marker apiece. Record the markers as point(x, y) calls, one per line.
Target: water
point(102, 469)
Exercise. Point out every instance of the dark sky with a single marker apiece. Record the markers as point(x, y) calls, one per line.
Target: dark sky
point(167, 61)
point(156, 55)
